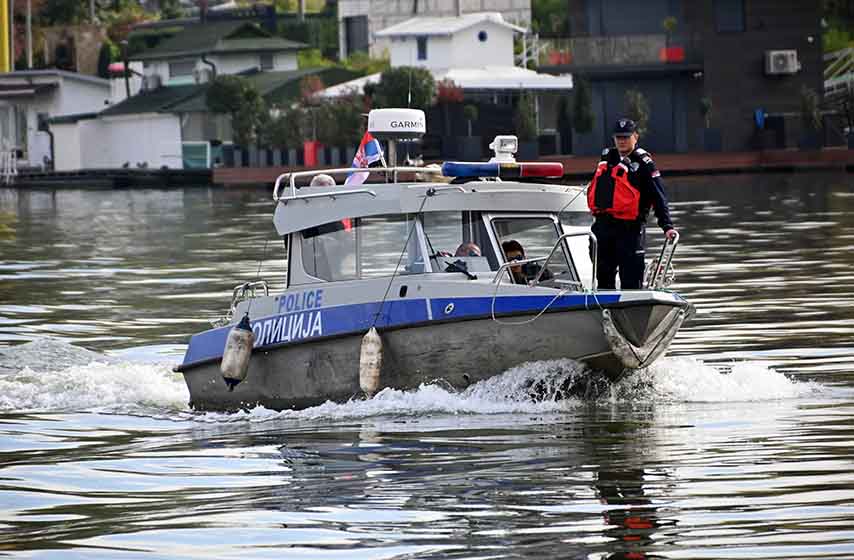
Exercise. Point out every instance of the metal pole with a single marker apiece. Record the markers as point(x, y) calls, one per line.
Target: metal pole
point(126, 69)
point(92, 10)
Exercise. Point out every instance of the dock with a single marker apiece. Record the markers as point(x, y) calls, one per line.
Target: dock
point(112, 178)
point(671, 165)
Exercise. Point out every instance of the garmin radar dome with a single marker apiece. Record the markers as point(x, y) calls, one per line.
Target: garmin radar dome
point(401, 125)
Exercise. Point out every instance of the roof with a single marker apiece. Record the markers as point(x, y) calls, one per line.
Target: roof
point(276, 87)
point(160, 100)
point(444, 25)
point(217, 37)
point(20, 91)
point(70, 119)
point(480, 78)
point(352, 201)
point(55, 73)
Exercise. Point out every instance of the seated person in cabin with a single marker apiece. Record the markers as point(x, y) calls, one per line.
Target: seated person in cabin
point(322, 180)
point(468, 249)
point(464, 251)
point(524, 273)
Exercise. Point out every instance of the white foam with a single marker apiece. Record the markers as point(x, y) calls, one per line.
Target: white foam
point(97, 385)
point(690, 380)
point(540, 387)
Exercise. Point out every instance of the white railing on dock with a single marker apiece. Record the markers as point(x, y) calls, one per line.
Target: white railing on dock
point(8, 165)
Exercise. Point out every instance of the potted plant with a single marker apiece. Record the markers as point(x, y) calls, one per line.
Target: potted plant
point(470, 147)
point(637, 109)
point(811, 124)
point(526, 127)
point(710, 138)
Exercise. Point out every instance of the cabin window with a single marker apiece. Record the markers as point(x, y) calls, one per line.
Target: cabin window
point(537, 236)
point(329, 251)
point(362, 248)
point(453, 236)
point(382, 239)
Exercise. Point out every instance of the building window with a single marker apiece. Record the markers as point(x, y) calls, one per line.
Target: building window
point(482, 36)
point(422, 48)
point(729, 16)
point(181, 68)
point(266, 61)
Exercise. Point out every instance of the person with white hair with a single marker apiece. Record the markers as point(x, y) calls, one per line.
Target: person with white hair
point(322, 180)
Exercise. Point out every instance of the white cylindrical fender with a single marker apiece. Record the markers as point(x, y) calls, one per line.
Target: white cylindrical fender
point(370, 362)
point(238, 350)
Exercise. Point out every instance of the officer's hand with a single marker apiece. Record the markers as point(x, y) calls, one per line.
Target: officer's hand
point(671, 233)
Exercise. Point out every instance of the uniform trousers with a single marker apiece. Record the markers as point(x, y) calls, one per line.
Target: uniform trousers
point(621, 246)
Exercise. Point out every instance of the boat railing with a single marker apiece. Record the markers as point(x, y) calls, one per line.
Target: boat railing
point(293, 176)
point(242, 292)
point(593, 249)
point(661, 270)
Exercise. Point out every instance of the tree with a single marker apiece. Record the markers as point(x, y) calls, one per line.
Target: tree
point(525, 118)
point(396, 84)
point(237, 97)
point(582, 107)
point(109, 53)
point(637, 109)
point(62, 12)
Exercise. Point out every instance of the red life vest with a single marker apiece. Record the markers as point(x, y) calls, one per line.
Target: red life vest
point(611, 193)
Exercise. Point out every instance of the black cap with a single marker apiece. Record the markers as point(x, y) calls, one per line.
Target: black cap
point(624, 127)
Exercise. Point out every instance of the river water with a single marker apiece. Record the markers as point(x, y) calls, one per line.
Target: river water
point(736, 445)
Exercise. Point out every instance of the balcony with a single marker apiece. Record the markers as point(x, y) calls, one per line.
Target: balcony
point(623, 53)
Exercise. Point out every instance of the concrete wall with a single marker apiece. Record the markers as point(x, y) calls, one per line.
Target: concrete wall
point(497, 50)
point(733, 67)
point(729, 70)
point(67, 148)
point(111, 142)
point(404, 52)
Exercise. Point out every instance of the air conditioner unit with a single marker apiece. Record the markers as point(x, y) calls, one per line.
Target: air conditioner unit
point(202, 75)
point(781, 62)
point(151, 82)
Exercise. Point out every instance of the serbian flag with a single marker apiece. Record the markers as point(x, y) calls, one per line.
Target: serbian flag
point(369, 152)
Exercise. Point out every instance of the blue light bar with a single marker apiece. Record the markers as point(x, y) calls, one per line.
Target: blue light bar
point(470, 169)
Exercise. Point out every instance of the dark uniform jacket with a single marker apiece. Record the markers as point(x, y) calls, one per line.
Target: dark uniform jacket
point(647, 180)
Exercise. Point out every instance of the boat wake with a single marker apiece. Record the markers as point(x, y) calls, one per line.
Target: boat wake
point(49, 375)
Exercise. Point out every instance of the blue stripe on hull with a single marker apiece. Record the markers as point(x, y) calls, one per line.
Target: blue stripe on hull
point(343, 319)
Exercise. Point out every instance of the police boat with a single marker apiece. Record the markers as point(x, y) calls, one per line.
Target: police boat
point(449, 273)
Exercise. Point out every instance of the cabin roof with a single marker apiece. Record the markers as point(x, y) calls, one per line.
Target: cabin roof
point(314, 206)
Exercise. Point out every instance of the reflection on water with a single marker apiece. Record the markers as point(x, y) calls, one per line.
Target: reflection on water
point(100, 458)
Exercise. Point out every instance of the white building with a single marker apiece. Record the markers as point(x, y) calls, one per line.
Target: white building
point(29, 98)
point(439, 43)
point(221, 47)
point(475, 52)
point(167, 124)
point(360, 20)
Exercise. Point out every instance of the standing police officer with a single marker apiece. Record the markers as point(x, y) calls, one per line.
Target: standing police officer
point(625, 185)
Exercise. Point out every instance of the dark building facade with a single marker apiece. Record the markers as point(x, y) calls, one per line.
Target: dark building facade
point(746, 59)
